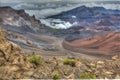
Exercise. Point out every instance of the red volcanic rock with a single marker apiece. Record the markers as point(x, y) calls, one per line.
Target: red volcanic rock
point(106, 44)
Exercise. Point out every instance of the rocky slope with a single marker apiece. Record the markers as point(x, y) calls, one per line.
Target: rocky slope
point(26, 31)
point(19, 18)
point(14, 64)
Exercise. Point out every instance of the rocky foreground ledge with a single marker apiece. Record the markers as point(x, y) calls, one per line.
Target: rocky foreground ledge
point(15, 64)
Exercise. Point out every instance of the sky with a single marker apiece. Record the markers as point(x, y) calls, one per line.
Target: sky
point(11, 1)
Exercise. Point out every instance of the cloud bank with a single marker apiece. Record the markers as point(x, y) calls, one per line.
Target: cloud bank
point(11, 1)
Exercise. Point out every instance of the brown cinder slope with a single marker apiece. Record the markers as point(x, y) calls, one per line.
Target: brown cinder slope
point(106, 44)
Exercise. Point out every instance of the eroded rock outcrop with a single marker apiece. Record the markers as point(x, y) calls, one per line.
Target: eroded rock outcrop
point(11, 58)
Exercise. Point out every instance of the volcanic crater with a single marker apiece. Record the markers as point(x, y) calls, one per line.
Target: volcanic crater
point(103, 44)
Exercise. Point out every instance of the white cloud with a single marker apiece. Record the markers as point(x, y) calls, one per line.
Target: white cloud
point(8, 1)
